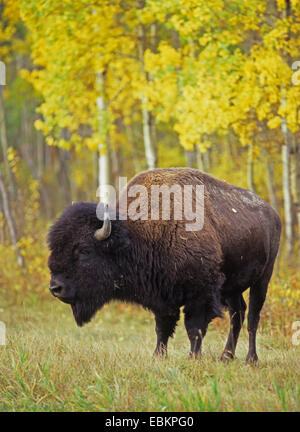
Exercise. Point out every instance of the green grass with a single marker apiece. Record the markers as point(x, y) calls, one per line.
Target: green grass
point(49, 364)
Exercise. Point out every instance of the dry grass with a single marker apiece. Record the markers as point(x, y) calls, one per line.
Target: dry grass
point(49, 364)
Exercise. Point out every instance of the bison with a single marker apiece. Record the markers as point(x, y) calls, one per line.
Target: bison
point(162, 266)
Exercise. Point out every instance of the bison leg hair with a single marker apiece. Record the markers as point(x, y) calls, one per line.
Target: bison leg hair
point(165, 327)
point(237, 308)
point(196, 323)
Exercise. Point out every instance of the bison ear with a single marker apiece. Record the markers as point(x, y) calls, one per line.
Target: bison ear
point(118, 240)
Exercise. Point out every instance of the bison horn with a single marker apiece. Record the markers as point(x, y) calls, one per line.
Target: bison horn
point(104, 232)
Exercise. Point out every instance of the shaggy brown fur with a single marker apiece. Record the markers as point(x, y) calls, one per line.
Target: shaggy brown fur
point(161, 266)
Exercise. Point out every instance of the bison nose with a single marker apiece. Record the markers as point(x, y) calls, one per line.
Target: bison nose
point(56, 289)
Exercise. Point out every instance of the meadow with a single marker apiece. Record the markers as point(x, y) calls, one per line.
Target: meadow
point(49, 364)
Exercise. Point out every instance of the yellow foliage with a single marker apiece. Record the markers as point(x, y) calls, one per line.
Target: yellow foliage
point(274, 122)
point(227, 68)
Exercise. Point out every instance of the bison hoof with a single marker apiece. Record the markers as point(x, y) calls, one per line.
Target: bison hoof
point(226, 356)
point(159, 353)
point(252, 359)
point(194, 356)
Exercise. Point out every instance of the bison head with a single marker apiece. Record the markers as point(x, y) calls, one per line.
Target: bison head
point(86, 255)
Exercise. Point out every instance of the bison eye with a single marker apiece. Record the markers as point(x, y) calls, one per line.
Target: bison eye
point(84, 252)
point(81, 252)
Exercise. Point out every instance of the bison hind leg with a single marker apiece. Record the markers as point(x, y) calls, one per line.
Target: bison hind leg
point(237, 307)
point(258, 293)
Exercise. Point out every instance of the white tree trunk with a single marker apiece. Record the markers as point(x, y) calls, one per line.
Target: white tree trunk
point(286, 161)
point(250, 168)
point(287, 196)
point(269, 171)
point(295, 187)
point(9, 220)
point(150, 151)
point(4, 144)
point(103, 158)
point(200, 161)
point(149, 148)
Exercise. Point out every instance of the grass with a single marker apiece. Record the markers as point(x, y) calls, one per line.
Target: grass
point(49, 364)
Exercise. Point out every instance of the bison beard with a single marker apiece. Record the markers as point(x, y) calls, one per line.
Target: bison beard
point(161, 266)
point(83, 312)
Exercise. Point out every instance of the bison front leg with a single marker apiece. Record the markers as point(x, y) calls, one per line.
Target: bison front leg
point(165, 327)
point(196, 323)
